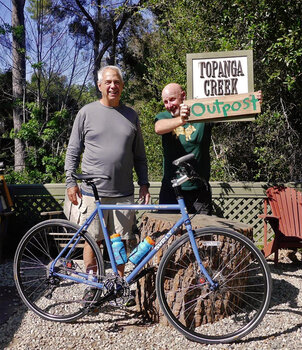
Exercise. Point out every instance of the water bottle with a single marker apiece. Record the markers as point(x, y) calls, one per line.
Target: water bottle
point(119, 250)
point(141, 250)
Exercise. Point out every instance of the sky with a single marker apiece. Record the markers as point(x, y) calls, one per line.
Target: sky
point(5, 17)
point(5, 10)
point(5, 50)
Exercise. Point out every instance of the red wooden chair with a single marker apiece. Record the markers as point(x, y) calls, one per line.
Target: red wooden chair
point(286, 219)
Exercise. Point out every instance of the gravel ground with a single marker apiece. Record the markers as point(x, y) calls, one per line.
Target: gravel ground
point(123, 329)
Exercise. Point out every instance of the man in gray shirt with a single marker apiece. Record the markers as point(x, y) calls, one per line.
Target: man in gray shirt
point(107, 135)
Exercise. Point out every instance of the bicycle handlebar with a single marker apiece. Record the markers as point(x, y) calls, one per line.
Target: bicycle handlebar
point(183, 159)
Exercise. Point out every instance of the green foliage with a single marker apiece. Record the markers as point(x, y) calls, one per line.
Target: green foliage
point(46, 133)
point(6, 120)
point(37, 65)
point(147, 112)
point(277, 157)
point(270, 148)
point(36, 8)
point(25, 177)
point(18, 32)
point(44, 146)
point(153, 54)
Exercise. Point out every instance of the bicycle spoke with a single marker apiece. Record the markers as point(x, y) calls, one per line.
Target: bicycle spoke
point(52, 297)
point(220, 313)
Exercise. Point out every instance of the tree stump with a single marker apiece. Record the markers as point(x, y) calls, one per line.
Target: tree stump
point(157, 225)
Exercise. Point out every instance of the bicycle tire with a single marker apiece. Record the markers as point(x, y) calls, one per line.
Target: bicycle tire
point(227, 313)
point(54, 298)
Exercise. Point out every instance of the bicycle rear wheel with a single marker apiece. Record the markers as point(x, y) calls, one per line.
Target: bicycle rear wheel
point(51, 297)
point(223, 314)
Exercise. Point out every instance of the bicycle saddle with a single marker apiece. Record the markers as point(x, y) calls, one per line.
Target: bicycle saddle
point(90, 177)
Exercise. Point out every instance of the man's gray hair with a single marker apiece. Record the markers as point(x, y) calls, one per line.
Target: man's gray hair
point(102, 70)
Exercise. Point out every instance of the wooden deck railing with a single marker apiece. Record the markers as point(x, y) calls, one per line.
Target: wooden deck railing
point(239, 201)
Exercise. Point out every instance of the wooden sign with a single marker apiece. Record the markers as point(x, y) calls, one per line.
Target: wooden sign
point(224, 108)
point(220, 84)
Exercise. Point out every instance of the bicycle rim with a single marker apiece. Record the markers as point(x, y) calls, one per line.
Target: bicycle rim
point(230, 311)
point(51, 297)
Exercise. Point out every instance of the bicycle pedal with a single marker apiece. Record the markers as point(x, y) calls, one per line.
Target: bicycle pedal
point(130, 302)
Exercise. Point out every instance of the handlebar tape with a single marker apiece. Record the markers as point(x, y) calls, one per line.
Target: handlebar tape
point(183, 159)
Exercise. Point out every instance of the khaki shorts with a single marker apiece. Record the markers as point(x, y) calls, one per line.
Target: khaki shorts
point(117, 221)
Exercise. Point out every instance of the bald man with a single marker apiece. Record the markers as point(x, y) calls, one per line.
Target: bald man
point(178, 139)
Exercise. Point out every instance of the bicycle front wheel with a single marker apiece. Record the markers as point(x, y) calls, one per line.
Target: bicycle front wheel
point(52, 297)
point(220, 314)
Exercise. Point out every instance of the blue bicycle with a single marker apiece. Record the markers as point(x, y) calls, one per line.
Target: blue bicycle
point(213, 284)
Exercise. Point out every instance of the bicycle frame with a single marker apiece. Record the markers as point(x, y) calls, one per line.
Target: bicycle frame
point(99, 210)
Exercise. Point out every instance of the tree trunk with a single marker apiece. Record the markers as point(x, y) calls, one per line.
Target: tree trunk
point(157, 225)
point(18, 78)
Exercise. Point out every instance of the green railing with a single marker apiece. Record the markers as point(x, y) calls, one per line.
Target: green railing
point(238, 201)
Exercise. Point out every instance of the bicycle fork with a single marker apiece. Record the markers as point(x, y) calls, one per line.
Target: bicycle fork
point(213, 285)
point(187, 222)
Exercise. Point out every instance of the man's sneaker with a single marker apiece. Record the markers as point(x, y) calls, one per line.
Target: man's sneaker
point(88, 296)
point(130, 302)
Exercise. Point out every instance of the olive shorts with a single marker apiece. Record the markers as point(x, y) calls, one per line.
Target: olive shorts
point(117, 221)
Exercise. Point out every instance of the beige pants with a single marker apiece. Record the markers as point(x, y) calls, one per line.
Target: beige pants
point(117, 221)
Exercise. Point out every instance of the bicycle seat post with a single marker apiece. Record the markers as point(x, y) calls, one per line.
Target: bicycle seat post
point(95, 191)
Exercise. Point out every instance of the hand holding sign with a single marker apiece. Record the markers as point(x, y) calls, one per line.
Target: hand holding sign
point(184, 112)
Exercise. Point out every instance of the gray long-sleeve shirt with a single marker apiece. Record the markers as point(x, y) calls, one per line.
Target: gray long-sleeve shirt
point(111, 142)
